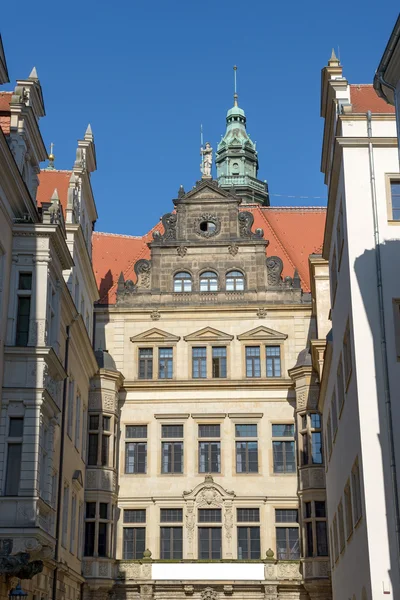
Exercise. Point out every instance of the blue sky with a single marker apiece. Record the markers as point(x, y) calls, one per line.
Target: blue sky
point(146, 74)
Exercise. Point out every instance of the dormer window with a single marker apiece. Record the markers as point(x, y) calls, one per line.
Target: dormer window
point(234, 281)
point(182, 282)
point(209, 282)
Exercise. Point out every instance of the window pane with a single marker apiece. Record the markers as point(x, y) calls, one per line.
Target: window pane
point(199, 362)
point(135, 457)
point(94, 422)
point(284, 515)
point(105, 442)
point(136, 431)
point(309, 539)
point(246, 430)
point(322, 539)
point(13, 472)
point(172, 431)
point(253, 363)
point(282, 430)
point(165, 363)
point(23, 314)
point(89, 538)
point(16, 427)
point(209, 515)
point(320, 509)
point(103, 510)
point(133, 542)
point(171, 542)
point(273, 354)
point(90, 510)
point(171, 515)
point(135, 516)
point(315, 420)
point(219, 361)
point(102, 541)
point(247, 515)
point(316, 444)
point(25, 281)
point(106, 423)
point(93, 448)
point(206, 431)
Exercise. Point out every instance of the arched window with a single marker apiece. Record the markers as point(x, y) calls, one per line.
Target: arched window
point(234, 281)
point(183, 282)
point(209, 282)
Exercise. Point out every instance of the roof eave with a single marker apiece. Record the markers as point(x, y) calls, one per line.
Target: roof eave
point(383, 81)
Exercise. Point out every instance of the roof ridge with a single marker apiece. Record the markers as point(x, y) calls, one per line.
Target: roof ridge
point(56, 171)
point(123, 235)
point(294, 208)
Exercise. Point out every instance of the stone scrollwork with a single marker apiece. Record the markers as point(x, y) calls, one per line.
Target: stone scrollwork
point(274, 270)
point(246, 220)
point(169, 222)
point(143, 270)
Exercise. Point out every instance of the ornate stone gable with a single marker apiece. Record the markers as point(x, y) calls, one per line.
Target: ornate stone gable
point(208, 493)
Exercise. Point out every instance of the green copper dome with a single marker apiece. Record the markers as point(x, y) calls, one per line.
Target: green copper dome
point(237, 160)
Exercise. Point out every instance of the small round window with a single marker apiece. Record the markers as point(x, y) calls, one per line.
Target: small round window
point(207, 227)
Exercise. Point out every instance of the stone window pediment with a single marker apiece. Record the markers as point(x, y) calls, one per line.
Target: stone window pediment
point(209, 494)
point(262, 334)
point(155, 335)
point(208, 334)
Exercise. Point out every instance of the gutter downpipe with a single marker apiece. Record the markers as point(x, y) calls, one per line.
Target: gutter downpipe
point(61, 461)
point(397, 110)
point(388, 401)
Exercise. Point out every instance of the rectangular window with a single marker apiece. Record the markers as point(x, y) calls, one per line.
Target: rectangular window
point(309, 539)
point(316, 447)
point(246, 450)
point(171, 542)
point(13, 470)
point(341, 526)
point(219, 361)
point(165, 363)
point(348, 510)
point(65, 516)
point(23, 309)
point(136, 452)
point(16, 427)
point(248, 515)
point(273, 355)
point(287, 515)
point(320, 510)
point(209, 451)
point(134, 542)
point(210, 543)
point(334, 414)
point(103, 510)
point(145, 363)
point(102, 540)
point(90, 510)
point(135, 516)
point(253, 361)
point(347, 355)
point(135, 457)
point(80, 529)
point(172, 451)
point(248, 543)
point(283, 449)
point(333, 277)
point(89, 538)
point(73, 526)
point(356, 489)
point(105, 446)
point(171, 515)
point(70, 413)
point(78, 422)
point(93, 449)
point(210, 515)
point(335, 538)
point(395, 199)
point(199, 363)
point(322, 538)
point(287, 543)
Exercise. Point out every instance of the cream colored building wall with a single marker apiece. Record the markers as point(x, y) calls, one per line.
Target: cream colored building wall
point(236, 399)
point(5, 267)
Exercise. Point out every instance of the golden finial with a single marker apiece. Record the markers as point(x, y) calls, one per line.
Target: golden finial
point(235, 96)
point(51, 157)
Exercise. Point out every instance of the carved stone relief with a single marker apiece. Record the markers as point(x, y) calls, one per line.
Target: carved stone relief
point(274, 270)
point(142, 269)
point(233, 249)
point(208, 594)
point(169, 222)
point(155, 315)
point(190, 524)
point(182, 250)
point(209, 232)
point(262, 313)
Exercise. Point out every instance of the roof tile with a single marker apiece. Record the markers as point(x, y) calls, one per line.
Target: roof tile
point(364, 97)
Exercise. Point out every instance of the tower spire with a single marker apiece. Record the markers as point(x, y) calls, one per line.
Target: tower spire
point(235, 96)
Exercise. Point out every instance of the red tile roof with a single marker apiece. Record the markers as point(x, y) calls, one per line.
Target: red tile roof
point(364, 97)
point(293, 234)
point(48, 182)
point(5, 99)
